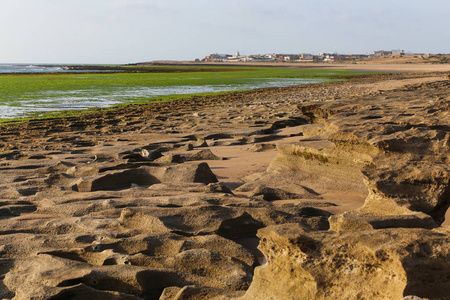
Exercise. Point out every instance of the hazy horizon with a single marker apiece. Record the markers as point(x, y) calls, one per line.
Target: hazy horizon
point(130, 31)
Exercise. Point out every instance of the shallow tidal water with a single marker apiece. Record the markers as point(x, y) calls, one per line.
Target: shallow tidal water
point(53, 101)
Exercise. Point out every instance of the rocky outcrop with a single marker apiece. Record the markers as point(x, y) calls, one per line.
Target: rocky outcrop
point(146, 176)
point(395, 150)
point(110, 206)
point(323, 164)
point(204, 155)
point(364, 264)
point(411, 171)
point(390, 248)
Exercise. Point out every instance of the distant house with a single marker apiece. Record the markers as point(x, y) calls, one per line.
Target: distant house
point(318, 58)
point(381, 53)
point(333, 57)
point(239, 57)
point(336, 57)
point(216, 57)
point(306, 56)
point(398, 53)
point(291, 57)
point(355, 57)
point(328, 57)
point(259, 57)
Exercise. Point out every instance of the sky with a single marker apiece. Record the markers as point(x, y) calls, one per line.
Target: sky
point(129, 31)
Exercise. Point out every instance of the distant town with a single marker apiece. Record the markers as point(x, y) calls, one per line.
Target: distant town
point(322, 57)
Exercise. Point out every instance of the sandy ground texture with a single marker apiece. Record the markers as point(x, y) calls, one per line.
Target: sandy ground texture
point(177, 191)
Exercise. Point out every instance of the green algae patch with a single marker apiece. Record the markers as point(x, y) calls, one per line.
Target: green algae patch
point(34, 95)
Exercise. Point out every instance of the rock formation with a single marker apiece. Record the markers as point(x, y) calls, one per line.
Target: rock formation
point(363, 264)
point(136, 203)
point(398, 147)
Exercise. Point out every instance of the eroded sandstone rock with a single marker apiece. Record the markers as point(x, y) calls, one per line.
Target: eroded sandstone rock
point(204, 155)
point(364, 264)
point(146, 176)
point(89, 212)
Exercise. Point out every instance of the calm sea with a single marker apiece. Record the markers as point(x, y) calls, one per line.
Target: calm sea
point(30, 68)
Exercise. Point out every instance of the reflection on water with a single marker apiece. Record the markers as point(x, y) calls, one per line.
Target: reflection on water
point(48, 101)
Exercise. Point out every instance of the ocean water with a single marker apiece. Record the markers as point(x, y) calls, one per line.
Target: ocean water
point(30, 68)
point(25, 68)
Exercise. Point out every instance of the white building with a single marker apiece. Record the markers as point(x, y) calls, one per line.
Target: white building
point(238, 57)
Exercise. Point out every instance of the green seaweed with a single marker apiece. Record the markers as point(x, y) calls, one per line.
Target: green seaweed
point(312, 156)
point(17, 89)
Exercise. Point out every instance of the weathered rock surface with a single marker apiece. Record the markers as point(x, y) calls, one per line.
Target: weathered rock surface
point(146, 176)
point(204, 155)
point(396, 147)
point(110, 206)
point(385, 249)
point(365, 264)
